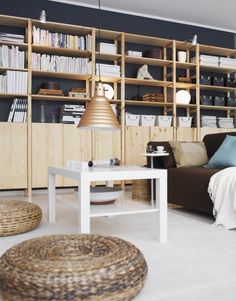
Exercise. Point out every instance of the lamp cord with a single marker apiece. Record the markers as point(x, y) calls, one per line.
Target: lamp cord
point(99, 37)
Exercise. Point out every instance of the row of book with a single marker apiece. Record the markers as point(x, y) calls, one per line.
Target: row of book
point(11, 57)
point(13, 82)
point(10, 37)
point(58, 63)
point(71, 113)
point(18, 111)
point(63, 40)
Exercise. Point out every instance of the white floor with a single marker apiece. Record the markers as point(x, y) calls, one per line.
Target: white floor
point(197, 264)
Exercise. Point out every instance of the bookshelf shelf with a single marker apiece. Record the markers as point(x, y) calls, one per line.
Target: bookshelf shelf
point(146, 60)
point(12, 95)
point(108, 56)
point(61, 51)
point(145, 82)
point(216, 88)
point(58, 98)
point(22, 46)
point(3, 69)
point(65, 75)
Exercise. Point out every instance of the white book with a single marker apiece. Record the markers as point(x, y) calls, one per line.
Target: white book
point(11, 113)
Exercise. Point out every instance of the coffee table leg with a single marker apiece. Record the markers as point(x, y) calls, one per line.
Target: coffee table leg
point(161, 199)
point(84, 206)
point(51, 198)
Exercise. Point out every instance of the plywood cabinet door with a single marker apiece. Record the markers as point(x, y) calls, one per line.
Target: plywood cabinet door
point(47, 149)
point(76, 146)
point(186, 134)
point(13, 163)
point(106, 145)
point(136, 139)
point(161, 133)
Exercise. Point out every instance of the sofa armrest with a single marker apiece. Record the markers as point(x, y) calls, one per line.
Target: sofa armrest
point(165, 161)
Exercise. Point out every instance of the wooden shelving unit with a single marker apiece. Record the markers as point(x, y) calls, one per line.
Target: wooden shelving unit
point(43, 144)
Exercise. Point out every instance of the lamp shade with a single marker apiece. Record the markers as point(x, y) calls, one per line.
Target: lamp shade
point(99, 114)
point(183, 97)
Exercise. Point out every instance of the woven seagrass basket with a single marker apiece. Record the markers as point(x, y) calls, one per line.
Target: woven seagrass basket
point(18, 217)
point(72, 267)
point(141, 190)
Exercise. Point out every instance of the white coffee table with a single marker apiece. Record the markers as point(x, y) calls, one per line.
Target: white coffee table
point(111, 173)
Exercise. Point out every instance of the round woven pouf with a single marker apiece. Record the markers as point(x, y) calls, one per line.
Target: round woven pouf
point(18, 217)
point(72, 267)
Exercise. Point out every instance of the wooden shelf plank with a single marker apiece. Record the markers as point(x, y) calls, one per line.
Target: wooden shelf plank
point(22, 46)
point(13, 21)
point(63, 28)
point(3, 69)
point(58, 98)
point(146, 82)
point(108, 34)
point(185, 86)
point(108, 56)
point(147, 40)
point(146, 60)
point(11, 95)
point(207, 49)
point(216, 88)
point(59, 50)
point(108, 79)
point(217, 69)
point(147, 103)
point(220, 108)
point(185, 65)
point(74, 76)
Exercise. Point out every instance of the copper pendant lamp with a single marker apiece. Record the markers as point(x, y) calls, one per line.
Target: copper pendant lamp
point(99, 113)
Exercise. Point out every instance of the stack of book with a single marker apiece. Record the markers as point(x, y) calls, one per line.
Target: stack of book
point(108, 70)
point(10, 37)
point(71, 114)
point(134, 53)
point(226, 62)
point(11, 57)
point(207, 60)
point(227, 123)
point(56, 63)
point(107, 48)
point(208, 121)
point(62, 40)
point(13, 82)
point(18, 111)
point(153, 97)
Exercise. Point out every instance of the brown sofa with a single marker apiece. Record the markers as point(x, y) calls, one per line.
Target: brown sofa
point(187, 186)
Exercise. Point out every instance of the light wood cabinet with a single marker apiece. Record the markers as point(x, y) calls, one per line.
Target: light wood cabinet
point(13, 163)
point(47, 149)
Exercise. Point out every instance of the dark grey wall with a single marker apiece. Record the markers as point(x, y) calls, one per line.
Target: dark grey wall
point(116, 21)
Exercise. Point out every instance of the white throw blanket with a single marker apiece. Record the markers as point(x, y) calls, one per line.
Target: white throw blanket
point(222, 190)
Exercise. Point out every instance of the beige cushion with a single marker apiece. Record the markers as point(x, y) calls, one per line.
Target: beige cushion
point(189, 153)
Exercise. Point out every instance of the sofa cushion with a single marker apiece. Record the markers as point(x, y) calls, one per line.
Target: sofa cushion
point(213, 141)
point(225, 156)
point(188, 154)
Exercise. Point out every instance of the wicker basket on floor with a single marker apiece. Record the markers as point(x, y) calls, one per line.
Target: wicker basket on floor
point(18, 217)
point(141, 190)
point(72, 267)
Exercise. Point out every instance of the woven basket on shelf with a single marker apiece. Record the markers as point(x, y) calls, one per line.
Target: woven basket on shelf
point(72, 267)
point(18, 217)
point(141, 190)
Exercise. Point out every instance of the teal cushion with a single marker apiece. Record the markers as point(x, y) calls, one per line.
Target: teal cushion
point(225, 156)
